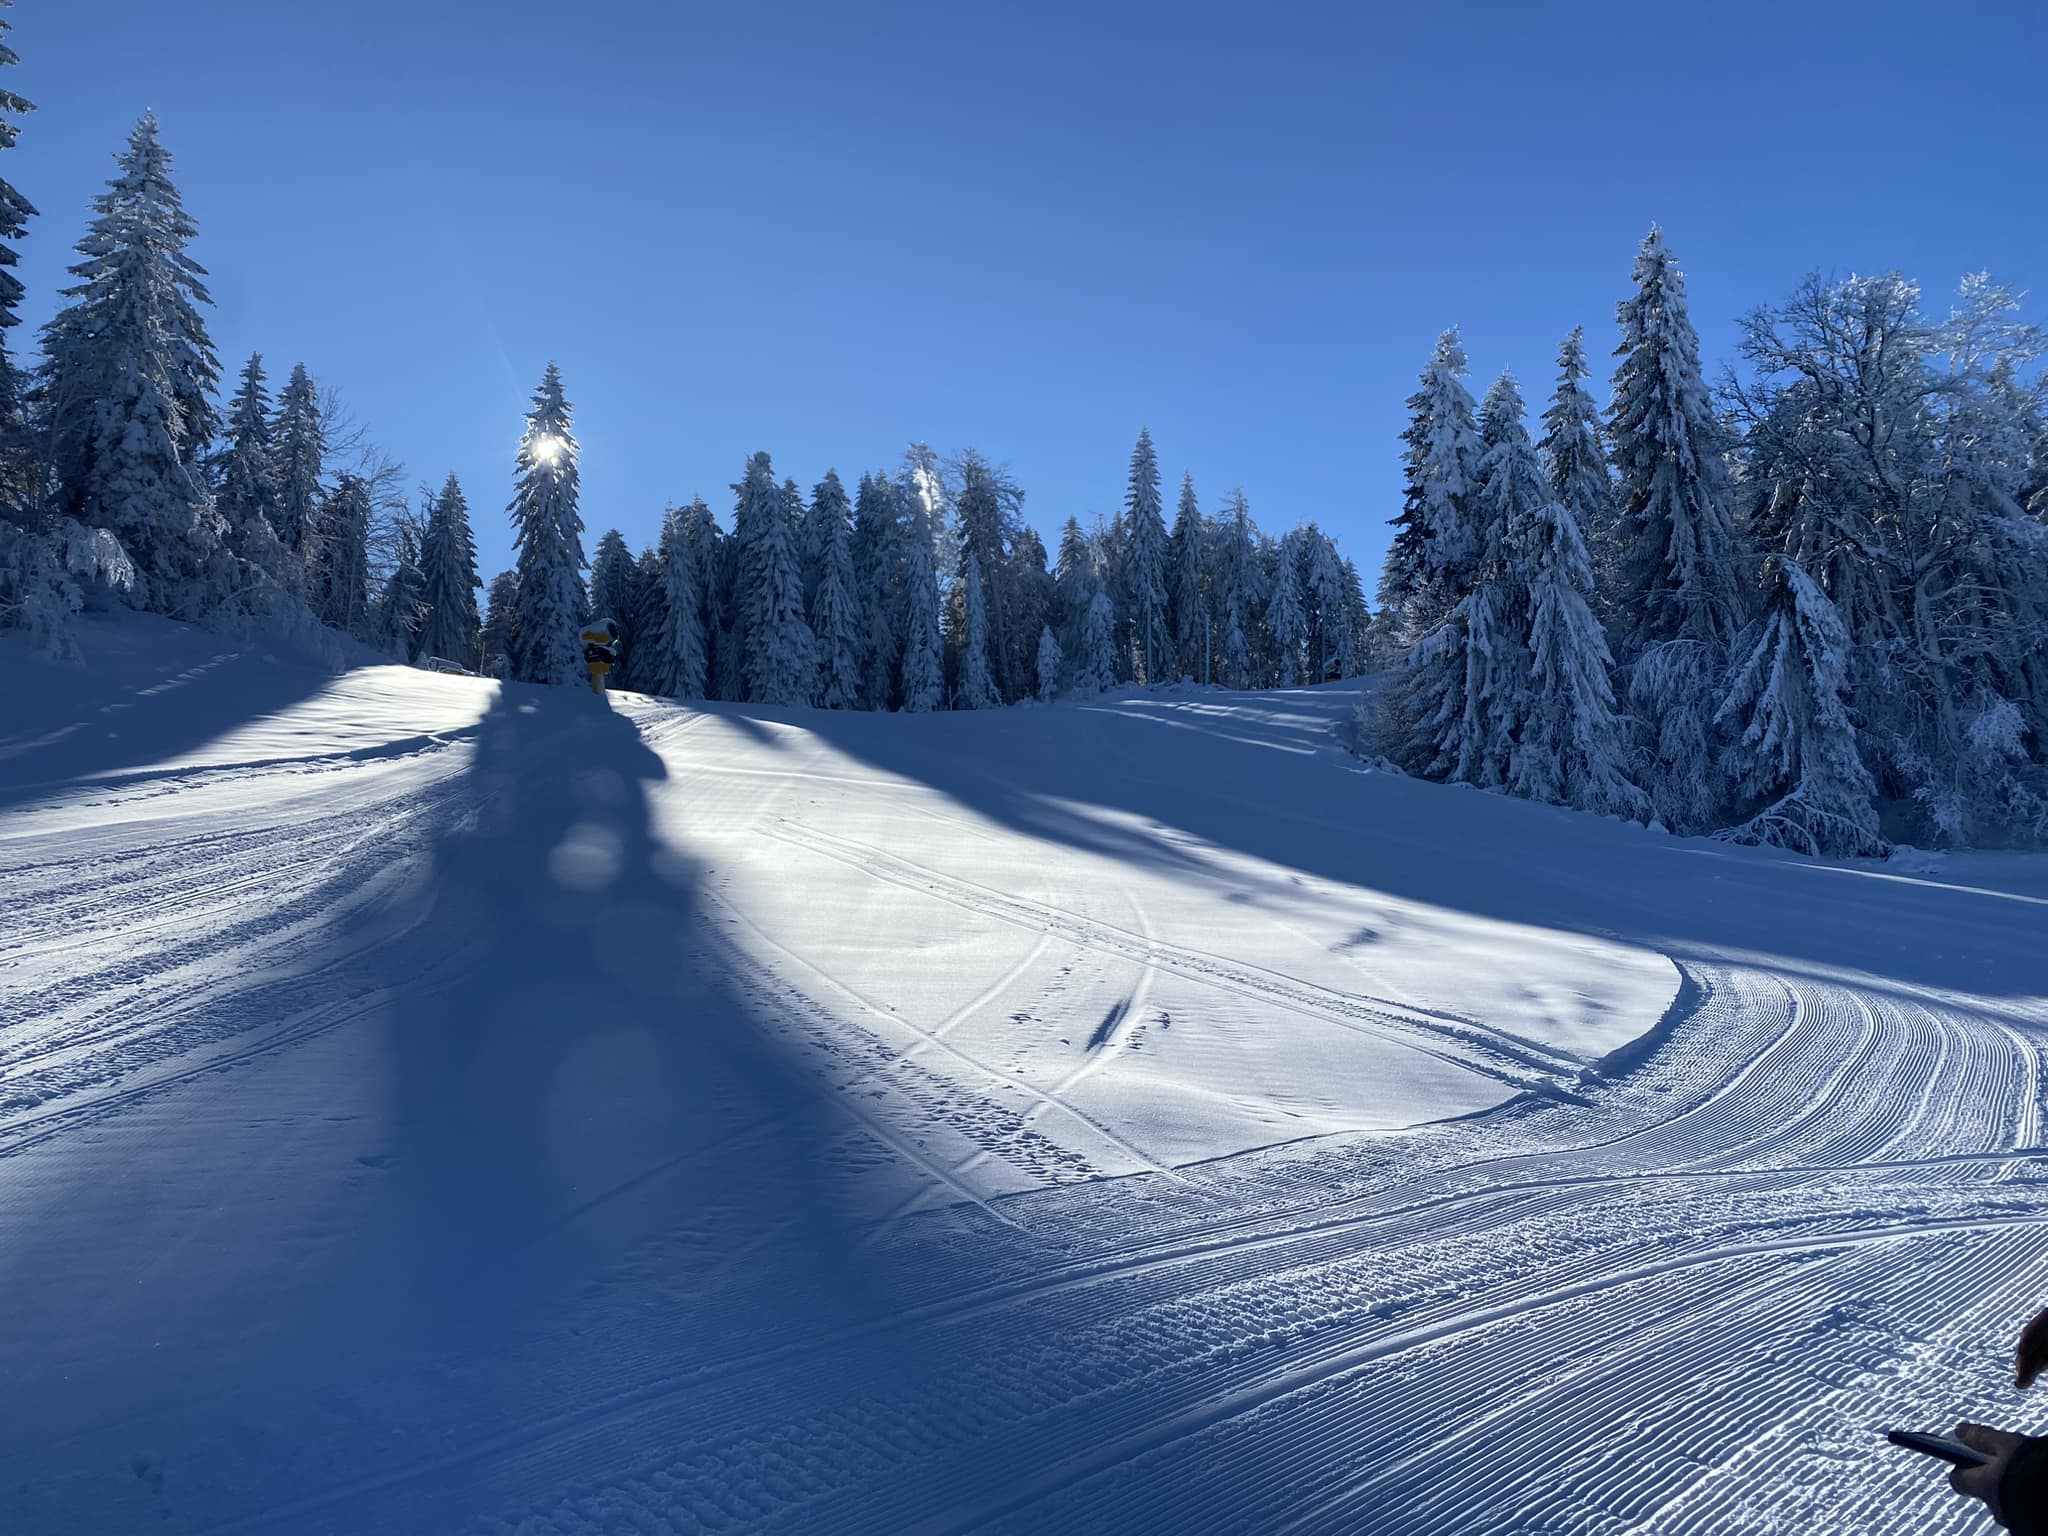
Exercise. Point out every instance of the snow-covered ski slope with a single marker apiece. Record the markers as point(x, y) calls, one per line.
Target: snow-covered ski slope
point(426, 1106)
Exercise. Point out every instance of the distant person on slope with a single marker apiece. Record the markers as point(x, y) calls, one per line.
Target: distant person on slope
point(2014, 1483)
point(600, 652)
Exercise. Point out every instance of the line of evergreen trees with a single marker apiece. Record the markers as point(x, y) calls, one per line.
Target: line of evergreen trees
point(1815, 617)
point(925, 589)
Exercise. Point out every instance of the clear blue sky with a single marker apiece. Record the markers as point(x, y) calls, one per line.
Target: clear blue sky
point(825, 229)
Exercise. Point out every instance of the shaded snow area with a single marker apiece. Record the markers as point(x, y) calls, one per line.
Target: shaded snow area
point(427, 1106)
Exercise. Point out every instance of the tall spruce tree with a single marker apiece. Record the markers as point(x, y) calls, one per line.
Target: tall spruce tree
point(836, 618)
point(340, 581)
point(977, 685)
point(448, 624)
point(1676, 579)
point(300, 444)
point(1575, 459)
point(129, 381)
point(549, 539)
point(924, 674)
point(984, 510)
point(1329, 605)
point(1359, 623)
point(245, 472)
point(682, 670)
point(650, 609)
point(1144, 567)
point(1075, 578)
point(401, 606)
point(1678, 570)
point(781, 654)
point(1464, 681)
point(877, 552)
point(1568, 747)
point(1435, 545)
point(1237, 593)
point(1286, 616)
point(708, 550)
point(757, 507)
point(1029, 601)
point(829, 504)
point(1185, 596)
point(501, 625)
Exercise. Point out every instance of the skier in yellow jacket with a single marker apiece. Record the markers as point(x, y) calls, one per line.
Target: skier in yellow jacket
point(600, 652)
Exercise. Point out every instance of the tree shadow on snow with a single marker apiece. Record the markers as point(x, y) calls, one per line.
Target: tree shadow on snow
point(1263, 775)
point(151, 692)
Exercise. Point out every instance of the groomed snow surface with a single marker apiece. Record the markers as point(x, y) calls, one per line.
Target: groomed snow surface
point(427, 1106)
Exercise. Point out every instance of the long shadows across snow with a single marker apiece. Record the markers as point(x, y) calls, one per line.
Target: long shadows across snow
point(1264, 775)
point(523, 1184)
point(152, 692)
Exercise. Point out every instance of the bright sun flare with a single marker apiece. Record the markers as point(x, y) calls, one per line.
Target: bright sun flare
point(545, 448)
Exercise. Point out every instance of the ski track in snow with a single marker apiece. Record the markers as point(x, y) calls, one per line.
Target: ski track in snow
point(1681, 1298)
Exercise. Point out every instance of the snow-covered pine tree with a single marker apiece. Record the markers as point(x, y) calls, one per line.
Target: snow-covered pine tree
point(1049, 665)
point(300, 445)
point(1430, 560)
point(129, 380)
point(1237, 594)
point(782, 654)
point(1465, 685)
point(1676, 581)
point(1568, 746)
point(1286, 617)
point(1329, 601)
point(1185, 597)
point(1358, 622)
point(977, 686)
point(1076, 575)
point(1144, 568)
point(829, 504)
point(501, 625)
point(1030, 602)
point(1679, 569)
point(682, 671)
point(650, 608)
point(877, 558)
point(449, 624)
point(709, 553)
point(401, 606)
point(549, 539)
point(19, 494)
point(1096, 666)
point(757, 507)
point(245, 477)
point(1574, 457)
point(612, 596)
point(924, 664)
point(836, 618)
point(339, 587)
point(984, 510)
point(1795, 763)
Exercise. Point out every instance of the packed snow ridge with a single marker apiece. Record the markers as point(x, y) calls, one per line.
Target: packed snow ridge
point(435, 1104)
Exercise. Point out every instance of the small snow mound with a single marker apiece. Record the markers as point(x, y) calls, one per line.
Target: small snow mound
point(1908, 860)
